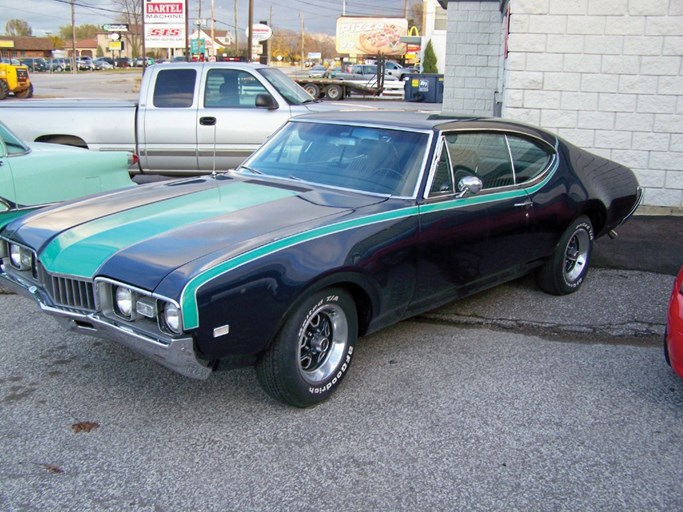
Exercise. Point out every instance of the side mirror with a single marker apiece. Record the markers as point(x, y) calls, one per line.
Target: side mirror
point(266, 101)
point(469, 185)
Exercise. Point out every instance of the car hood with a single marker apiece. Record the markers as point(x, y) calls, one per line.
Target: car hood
point(141, 235)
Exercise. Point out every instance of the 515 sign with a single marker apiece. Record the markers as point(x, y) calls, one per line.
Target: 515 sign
point(165, 35)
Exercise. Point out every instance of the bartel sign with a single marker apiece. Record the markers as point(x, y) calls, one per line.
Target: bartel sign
point(164, 11)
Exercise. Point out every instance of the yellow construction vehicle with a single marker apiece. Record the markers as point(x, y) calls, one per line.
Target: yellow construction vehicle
point(14, 79)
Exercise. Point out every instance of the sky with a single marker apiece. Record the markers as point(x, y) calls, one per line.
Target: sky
point(46, 16)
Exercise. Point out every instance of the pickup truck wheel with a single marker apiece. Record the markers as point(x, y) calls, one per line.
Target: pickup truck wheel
point(4, 90)
point(564, 272)
point(28, 93)
point(312, 352)
point(334, 92)
point(313, 90)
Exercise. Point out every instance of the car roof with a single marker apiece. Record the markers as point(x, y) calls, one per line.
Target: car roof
point(422, 121)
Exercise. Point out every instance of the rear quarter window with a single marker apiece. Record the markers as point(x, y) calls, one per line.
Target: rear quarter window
point(174, 88)
point(529, 158)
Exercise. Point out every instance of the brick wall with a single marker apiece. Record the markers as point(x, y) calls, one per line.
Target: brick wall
point(473, 56)
point(606, 75)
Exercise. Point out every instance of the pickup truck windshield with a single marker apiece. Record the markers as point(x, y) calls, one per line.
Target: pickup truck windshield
point(290, 90)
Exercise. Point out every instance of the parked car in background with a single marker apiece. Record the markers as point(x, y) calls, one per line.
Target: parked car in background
point(35, 174)
point(361, 72)
point(85, 63)
point(396, 70)
point(139, 61)
point(34, 63)
point(317, 71)
point(59, 65)
point(673, 337)
point(123, 62)
point(339, 225)
point(10, 60)
point(103, 63)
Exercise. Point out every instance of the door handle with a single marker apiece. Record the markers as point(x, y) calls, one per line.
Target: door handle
point(207, 121)
point(526, 203)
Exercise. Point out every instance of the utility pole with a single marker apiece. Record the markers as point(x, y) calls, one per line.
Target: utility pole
point(343, 7)
point(213, 28)
point(301, 17)
point(73, 39)
point(250, 30)
point(237, 46)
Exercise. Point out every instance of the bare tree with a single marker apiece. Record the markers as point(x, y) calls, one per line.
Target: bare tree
point(17, 27)
point(131, 14)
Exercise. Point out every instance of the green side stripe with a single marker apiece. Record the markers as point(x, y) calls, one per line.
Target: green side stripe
point(81, 250)
point(188, 298)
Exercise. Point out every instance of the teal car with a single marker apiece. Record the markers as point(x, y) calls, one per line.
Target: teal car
point(36, 175)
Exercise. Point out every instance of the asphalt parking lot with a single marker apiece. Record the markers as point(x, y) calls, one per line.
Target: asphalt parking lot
point(509, 400)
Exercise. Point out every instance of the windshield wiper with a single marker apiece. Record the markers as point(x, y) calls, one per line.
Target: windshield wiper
point(249, 169)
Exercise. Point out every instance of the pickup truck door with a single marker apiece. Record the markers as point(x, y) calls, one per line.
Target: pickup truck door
point(230, 126)
point(167, 121)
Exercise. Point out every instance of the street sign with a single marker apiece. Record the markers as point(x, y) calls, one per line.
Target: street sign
point(115, 27)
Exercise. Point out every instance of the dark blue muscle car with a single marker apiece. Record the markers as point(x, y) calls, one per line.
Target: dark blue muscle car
point(341, 224)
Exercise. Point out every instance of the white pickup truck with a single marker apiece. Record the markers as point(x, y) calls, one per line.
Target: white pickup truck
point(190, 118)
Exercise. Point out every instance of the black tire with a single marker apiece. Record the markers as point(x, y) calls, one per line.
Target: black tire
point(4, 90)
point(334, 92)
point(28, 93)
point(313, 90)
point(312, 352)
point(667, 357)
point(564, 272)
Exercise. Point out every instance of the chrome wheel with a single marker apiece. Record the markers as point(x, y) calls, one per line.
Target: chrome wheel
point(576, 255)
point(322, 343)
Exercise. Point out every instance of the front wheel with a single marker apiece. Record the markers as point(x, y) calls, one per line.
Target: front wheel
point(313, 90)
point(312, 352)
point(564, 272)
point(4, 90)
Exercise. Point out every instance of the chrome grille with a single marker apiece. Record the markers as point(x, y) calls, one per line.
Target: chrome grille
point(72, 293)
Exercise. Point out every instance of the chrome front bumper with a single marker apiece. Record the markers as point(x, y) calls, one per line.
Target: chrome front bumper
point(176, 354)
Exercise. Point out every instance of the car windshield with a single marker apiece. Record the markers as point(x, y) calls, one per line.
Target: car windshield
point(13, 144)
point(290, 90)
point(371, 160)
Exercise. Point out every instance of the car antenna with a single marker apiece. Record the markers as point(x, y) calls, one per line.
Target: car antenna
point(213, 168)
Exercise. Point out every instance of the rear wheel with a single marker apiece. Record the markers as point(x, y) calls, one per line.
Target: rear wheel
point(334, 92)
point(312, 352)
point(4, 90)
point(28, 93)
point(564, 272)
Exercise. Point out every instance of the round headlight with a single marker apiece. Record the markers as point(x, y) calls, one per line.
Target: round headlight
point(124, 301)
point(20, 257)
point(172, 318)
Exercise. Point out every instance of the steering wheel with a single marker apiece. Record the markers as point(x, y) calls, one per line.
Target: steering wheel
point(387, 171)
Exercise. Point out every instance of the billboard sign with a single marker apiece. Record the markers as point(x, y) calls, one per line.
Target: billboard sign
point(164, 11)
point(165, 35)
point(371, 36)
